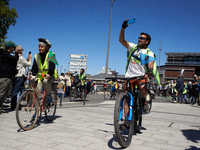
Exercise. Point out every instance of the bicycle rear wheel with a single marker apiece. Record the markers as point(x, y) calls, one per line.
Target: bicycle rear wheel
point(107, 95)
point(27, 110)
point(149, 103)
point(123, 127)
point(138, 114)
point(51, 107)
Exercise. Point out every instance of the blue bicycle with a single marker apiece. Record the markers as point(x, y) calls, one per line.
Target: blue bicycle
point(127, 114)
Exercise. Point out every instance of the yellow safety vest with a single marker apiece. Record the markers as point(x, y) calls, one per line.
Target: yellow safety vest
point(43, 68)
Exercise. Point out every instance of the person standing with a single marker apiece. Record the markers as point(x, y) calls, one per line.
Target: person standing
point(22, 63)
point(68, 84)
point(8, 70)
point(185, 92)
point(180, 87)
point(174, 91)
point(191, 93)
point(60, 89)
point(196, 89)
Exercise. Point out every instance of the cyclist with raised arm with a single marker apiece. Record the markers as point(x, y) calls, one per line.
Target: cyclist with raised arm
point(134, 67)
point(41, 65)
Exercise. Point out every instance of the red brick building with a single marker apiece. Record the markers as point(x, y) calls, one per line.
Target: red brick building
point(175, 62)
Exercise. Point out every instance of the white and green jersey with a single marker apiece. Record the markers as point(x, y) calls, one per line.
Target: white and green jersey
point(135, 68)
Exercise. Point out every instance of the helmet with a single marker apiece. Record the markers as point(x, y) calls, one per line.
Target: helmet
point(45, 41)
point(83, 70)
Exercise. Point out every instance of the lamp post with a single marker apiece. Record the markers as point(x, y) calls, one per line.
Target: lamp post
point(109, 38)
point(159, 54)
point(60, 69)
point(159, 59)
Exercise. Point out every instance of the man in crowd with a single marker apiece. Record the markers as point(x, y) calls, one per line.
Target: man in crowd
point(196, 88)
point(67, 85)
point(22, 63)
point(180, 87)
point(7, 70)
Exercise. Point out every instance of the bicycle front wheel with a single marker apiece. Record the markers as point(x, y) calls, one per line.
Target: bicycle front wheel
point(27, 110)
point(51, 107)
point(123, 127)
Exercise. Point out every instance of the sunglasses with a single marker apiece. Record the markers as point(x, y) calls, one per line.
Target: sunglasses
point(142, 38)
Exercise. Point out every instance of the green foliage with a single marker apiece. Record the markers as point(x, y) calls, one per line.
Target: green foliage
point(7, 17)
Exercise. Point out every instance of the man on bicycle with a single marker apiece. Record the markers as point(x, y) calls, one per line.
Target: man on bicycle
point(113, 83)
point(134, 67)
point(42, 66)
point(82, 78)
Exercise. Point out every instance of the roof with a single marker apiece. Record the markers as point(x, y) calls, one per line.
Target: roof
point(102, 76)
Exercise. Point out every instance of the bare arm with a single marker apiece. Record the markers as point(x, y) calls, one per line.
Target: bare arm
point(122, 39)
point(121, 36)
point(150, 64)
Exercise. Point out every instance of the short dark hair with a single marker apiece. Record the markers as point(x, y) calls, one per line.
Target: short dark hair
point(148, 37)
point(62, 74)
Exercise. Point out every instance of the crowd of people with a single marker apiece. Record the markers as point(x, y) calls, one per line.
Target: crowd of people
point(13, 76)
point(14, 73)
point(181, 91)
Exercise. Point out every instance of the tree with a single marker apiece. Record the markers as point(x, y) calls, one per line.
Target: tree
point(7, 17)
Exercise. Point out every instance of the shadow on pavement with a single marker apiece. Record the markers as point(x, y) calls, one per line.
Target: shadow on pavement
point(112, 143)
point(193, 136)
point(41, 120)
point(193, 148)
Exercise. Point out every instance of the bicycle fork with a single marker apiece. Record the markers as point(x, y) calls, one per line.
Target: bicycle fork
point(130, 114)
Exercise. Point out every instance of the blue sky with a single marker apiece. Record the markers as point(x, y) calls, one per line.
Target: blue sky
point(81, 26)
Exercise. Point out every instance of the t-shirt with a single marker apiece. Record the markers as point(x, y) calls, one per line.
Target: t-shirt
point(22, 63)
point(135, 69)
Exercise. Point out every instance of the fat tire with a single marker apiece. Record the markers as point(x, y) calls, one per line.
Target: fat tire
point(120, 139)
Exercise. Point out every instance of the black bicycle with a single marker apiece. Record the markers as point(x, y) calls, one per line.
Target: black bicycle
point(127, 114)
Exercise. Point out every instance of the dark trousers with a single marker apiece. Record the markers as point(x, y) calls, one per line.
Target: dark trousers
point(82, 88)
point(197, 97)
point(16, 89)
point(180, 96)
point(66, 91)
point(4, 89)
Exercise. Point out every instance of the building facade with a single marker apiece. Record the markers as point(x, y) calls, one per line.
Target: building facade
point(186, 64)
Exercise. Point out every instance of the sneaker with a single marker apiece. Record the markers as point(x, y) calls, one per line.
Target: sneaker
point(33, 117)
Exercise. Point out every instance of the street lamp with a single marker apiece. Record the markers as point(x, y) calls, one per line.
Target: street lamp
point(109, 38)
point(159, 55)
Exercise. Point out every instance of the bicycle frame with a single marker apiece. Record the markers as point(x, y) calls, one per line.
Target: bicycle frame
point(132, 100)
point(130, 108)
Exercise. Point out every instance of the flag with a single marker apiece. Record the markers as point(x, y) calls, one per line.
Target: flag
point(51, 57)
point(146, 58)
point(182, 71)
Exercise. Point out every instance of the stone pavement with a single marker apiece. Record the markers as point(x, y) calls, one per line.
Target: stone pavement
point(168, 126)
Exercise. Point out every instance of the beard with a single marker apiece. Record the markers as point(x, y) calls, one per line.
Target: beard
point(142, 45)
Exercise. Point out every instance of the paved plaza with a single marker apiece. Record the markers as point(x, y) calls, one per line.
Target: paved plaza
point(90, 127)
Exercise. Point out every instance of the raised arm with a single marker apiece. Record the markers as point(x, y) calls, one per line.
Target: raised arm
point(121, 36)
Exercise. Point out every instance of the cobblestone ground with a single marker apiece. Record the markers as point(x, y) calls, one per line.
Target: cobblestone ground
point(168, 126)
